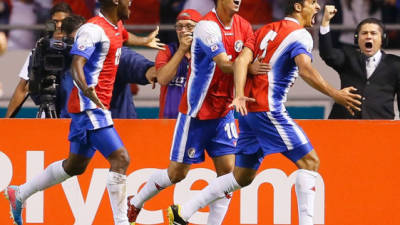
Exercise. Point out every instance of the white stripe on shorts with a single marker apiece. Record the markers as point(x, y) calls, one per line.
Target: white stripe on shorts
point(93, 119)
point(300, 134)
point(281, 131)
point(183, 138)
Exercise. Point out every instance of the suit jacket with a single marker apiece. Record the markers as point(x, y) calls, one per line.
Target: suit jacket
point(377, 92)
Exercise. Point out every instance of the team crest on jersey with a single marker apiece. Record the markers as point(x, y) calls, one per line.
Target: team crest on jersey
point(82, 47)
point(214, 48)
point(191, 153)
point(238, 45)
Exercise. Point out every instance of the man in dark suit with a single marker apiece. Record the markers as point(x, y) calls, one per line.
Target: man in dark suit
point(375, 74)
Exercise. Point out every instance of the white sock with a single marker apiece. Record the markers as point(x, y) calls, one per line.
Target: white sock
point(217, 189)
point(305, 191)
point(157, 182)
point(53, 174)
point(116, 186)
point(218, 210)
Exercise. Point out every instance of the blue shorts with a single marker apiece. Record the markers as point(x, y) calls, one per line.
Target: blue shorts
point(91, 130)
point(264, 133)
point(192, 136)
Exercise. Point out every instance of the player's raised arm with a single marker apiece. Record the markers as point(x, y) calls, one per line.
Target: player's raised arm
point(240, 69)
point(315, 80)
point(150, 41)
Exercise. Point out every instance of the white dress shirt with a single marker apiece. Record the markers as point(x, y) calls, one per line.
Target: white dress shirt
point(372, 62)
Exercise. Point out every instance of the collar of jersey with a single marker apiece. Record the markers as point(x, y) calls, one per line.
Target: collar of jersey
point(101, 15)
point(225, 27)
point(292, 19)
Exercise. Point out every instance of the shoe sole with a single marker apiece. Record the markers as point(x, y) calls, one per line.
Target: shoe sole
point(170, 216)
point(11, 214)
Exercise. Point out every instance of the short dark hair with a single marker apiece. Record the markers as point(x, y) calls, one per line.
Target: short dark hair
point(290, 6)
point(105, 3)
point(60, 7)
point(72, 23)
point(373, 21)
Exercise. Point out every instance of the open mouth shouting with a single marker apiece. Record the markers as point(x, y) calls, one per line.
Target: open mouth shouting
point(236, 2)
point(314, 19)
point(369, 46)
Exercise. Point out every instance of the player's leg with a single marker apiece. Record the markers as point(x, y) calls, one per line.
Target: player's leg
point(302, 154)
point(222, 150)
point(305, 186)
point(248, 158)
point(186, 149)
point(108, 142)
point(223, 165)
point(55, 173)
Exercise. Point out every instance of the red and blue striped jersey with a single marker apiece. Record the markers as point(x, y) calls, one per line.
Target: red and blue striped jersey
point(278, 44)
point(209, 91)
point(100, 42)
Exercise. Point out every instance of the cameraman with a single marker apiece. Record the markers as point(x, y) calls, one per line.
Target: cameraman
point(58, 12)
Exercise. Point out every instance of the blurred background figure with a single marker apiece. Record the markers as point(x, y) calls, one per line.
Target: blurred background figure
point(22, 14)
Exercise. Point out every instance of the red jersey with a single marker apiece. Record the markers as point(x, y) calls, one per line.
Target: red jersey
point(100, 42)
point(209, 91)
point(278, 43)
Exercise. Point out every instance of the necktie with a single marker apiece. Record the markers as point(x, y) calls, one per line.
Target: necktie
point(370, 66)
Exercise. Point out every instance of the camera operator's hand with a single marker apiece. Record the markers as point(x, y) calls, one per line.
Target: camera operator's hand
point(90, 92)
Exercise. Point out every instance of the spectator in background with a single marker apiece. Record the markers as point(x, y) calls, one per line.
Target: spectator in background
point(374, 74)
point(22, 14)
point(173, 63)
point(203, 6)
point(5, 9)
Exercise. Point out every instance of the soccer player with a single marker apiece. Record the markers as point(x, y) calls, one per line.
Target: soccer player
point(267, 128)
point(96, 53)
point(205, 120)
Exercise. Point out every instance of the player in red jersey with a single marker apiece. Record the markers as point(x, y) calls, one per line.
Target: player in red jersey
point(96, 53)
point(268, 129)
point(205, 121)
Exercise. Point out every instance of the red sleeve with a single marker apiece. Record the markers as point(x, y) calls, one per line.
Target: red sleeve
point(250, 38)
point(125, 34)
point(163, 57)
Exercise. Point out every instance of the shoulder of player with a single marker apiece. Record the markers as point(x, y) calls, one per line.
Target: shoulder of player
point(89, 28)
point(207, 26)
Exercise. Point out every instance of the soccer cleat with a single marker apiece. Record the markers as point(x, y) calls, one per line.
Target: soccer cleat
point(174, 217)
point(15, 204)
point(133, 212)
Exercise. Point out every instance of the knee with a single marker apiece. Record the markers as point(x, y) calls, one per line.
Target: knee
point(176, 176)
point(120, 160)
point(311, 163)
point(75, 170)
